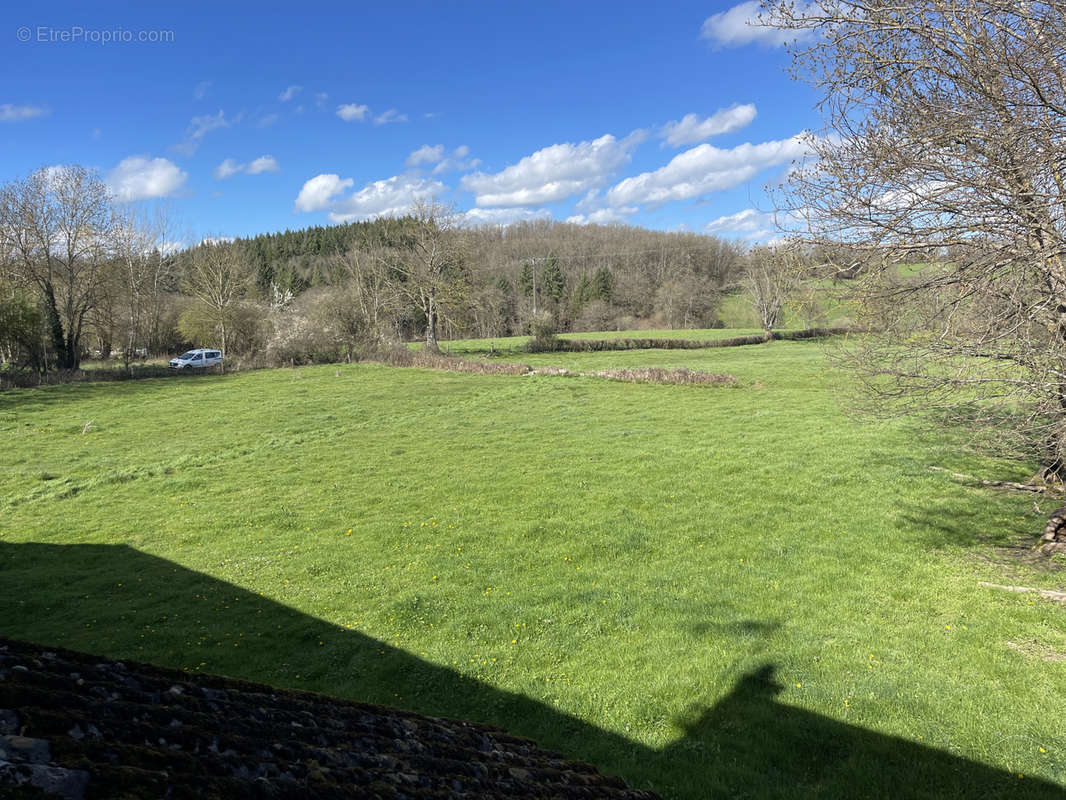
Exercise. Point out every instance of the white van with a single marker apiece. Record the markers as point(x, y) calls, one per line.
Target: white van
point(197, 359)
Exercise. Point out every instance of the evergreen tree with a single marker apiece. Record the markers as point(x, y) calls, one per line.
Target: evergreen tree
point(525, 280)
point(583, 291)
point(603, 285)
point(552, 282)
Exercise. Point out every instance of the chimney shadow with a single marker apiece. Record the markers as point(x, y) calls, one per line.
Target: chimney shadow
point(119, 602)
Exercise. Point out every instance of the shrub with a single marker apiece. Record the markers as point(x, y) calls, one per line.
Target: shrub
point(542, 329)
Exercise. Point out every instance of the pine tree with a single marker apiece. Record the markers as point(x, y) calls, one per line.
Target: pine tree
point(553, 284)
point(583, 291)
point(525, 280)
point(603, 285)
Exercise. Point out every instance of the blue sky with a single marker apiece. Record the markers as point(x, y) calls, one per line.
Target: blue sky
point(248, 118)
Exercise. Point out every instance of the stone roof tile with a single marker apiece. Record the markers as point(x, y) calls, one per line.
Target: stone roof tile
point(72, 724)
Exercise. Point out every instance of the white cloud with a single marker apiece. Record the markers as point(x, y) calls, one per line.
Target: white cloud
point(217, 240)
point(317, 192)
point(705, 169)
point(456, 161)
point(738, 26)
point(504, 216)
point(10, 113)
point(320, 99)
point(352, 112)
point(392, 115)
point(388, 198)
point(140, 178)
point(227, 169)
point(53, 175)
point(692, 128)
point(590, 202)
point(263, 164)
point(553, 173)
point(267, 121)
point(914, 196)
point(603, 216)
point(200, 127)
point(289, 93)
point(757, 226)
point(170, 247)
point(747, 221)
point(201, 90)
point(426, 154)
point(230, 167)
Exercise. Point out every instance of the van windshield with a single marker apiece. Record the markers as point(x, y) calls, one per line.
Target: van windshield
point(188, 356)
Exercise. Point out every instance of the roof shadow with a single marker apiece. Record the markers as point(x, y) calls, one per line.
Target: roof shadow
point(100, 598)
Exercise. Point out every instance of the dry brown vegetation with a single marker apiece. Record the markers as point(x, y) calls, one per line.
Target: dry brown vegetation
point(596, 345)
point(420, 358)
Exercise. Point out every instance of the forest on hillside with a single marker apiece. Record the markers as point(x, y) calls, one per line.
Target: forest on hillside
point(589, 277)
point(112, 287)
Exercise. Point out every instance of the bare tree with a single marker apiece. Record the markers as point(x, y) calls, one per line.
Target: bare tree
point(219, 278)
point(56, 226)
point(685, 300)
point(432, 274)
point(145, 266)
point(946, 122)
point(369, 290)
point(769, 278)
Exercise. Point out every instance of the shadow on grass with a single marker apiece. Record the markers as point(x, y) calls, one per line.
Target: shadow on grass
point(967, 520)
point(116, 601)
point(94, 387)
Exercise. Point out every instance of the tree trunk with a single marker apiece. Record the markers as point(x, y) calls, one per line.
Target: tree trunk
point(222, 327)
point(69, 357)
point(431, 324)
point(73, 343)
point(55, 329)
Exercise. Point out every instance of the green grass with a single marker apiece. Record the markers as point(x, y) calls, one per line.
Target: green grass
point(698, 334)
point(736, 311)
point(510, 345)
point(821, 302)
point(612, 569)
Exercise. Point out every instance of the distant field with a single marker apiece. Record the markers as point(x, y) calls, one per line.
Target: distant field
point(731, 591)
point(820, 305)
point(516, 344)
point(821, 302)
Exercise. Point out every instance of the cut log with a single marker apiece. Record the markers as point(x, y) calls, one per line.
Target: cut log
point(1048, 593)
point(1023, 487)
point(1055, 530)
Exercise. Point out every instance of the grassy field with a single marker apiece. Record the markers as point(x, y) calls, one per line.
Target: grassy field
point(511, 345)
point(818, 304)
point(710, 591)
